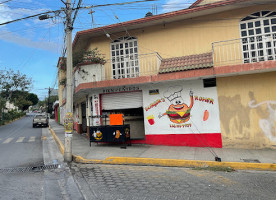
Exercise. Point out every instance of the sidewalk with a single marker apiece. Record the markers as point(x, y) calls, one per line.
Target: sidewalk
point(143, 154)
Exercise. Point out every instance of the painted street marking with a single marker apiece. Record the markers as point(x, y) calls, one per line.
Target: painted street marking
point(32, 139)
point(8, 140)
point(20, 139)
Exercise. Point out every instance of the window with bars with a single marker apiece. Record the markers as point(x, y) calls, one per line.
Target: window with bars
point(124, 58)
point(258, 36)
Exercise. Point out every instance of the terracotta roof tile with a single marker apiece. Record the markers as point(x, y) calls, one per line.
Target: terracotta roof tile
point(183, 63)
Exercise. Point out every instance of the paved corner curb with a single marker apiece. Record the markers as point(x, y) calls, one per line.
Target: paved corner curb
point(192, 163)
point(59, 143)
point(167, 162)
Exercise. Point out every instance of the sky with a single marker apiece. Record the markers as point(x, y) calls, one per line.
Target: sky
point(32, 46)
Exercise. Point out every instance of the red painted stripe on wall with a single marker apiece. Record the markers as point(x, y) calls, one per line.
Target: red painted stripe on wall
point(76, 126)
point(191, 140)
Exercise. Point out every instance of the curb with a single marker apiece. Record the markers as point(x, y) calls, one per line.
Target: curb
point(59, 143)
point(167, 162)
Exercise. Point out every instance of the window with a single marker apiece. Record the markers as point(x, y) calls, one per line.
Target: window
point(124, 58)
point(210, 82)
point(258, 33)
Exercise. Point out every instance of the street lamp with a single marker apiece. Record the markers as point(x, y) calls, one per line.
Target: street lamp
point(68, 121)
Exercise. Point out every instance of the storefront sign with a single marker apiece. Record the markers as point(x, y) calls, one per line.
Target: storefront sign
point(96, 110)
point(121, 89)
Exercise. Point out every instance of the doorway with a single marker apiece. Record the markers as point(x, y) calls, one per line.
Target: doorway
point(83, 117)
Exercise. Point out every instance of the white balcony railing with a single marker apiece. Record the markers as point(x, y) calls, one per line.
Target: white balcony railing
point(245, 50)
point(133, 66)
point(145, 65)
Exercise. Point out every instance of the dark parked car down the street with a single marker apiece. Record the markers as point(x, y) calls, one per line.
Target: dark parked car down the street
point(40, 120)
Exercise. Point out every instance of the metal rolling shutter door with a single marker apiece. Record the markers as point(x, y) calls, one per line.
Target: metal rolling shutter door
point(123, 100)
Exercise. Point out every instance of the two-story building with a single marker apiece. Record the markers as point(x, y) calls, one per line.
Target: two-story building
point(201, 76)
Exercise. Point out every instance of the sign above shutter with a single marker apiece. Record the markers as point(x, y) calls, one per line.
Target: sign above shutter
point(124, 100)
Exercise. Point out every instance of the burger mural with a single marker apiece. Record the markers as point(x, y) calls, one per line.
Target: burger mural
point(182, 113)
point(178, 112)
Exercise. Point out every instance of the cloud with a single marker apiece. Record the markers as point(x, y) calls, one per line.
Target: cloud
point(9, 36)
point(8, 14)
point(27, 37)
point(5, 14)
point(172, 5)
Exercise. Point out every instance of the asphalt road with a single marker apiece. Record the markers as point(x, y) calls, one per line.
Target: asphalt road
point(23, 148)
point(20, 146)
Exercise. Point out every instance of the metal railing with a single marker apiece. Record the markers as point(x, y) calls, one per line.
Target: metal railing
point(141, 65)
point(129, 67)
point(245, 50)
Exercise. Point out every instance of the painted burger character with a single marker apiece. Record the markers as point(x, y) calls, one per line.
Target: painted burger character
point(178, 112)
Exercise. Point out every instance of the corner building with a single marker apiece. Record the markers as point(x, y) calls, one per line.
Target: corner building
point(201, 76)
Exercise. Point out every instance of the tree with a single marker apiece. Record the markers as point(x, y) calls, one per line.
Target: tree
point(12, 82)
point(33, 98)
point(44, 103)
point(22, 103)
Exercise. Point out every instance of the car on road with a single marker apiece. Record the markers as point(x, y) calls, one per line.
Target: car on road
point(40, 120)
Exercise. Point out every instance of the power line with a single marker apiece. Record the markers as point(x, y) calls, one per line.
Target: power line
point(76, 12)
point(5, 1)
point(116, 4)
point(86, 7)
point(31, 16)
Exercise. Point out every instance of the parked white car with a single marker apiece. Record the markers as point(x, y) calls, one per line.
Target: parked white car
point(40, 120)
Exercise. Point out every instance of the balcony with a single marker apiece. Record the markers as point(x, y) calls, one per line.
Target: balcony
point(245, 50)
point(122, 67)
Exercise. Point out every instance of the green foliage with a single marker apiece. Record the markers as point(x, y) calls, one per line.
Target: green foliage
point(12, 86)
point(10, 116)
point(87, 57)
point(22, 103)
point(11, 81)
point(22, 99)
point(44, 103)
point(33, 98)
point(63, 82)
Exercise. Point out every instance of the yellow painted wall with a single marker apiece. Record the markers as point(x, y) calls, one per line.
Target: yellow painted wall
point(61, 75)
point(244, 124)
point(208, 1)
point(187, 37)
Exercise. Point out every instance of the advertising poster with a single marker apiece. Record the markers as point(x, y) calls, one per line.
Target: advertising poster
point(183, 107)
point(96, 110)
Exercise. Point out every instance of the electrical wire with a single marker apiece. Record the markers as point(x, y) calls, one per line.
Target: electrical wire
point(5, 2)
point(31, 16)
point(115, 4)
point(76, 11)
point(203, 140)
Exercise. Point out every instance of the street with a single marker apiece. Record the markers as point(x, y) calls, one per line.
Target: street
point(20, 146)
point(24, 149)
point(31, 166)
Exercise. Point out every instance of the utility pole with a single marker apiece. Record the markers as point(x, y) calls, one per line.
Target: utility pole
point(49, 93)
point(69, 84)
